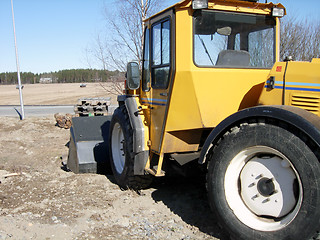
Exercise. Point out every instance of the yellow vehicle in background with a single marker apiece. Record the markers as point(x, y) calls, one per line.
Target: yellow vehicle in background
point(213, 90)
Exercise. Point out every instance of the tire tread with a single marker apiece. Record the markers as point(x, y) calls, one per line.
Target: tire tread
point(134, 182)
point(251, 123)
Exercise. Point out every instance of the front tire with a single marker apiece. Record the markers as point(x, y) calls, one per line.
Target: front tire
point(263, 182)
point(121, 152)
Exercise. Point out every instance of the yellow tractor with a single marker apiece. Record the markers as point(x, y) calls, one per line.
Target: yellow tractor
point(213, 90)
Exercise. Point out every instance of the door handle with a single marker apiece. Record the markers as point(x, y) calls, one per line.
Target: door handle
point(164, 94)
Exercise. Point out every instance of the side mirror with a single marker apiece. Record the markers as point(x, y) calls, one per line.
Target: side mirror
point(133, 75)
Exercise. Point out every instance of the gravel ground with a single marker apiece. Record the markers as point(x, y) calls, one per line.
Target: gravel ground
point(39, 200)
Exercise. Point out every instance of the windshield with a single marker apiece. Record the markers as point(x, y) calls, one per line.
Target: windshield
point(224, 39)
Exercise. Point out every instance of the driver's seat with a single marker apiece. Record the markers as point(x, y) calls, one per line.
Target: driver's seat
point(233, 58)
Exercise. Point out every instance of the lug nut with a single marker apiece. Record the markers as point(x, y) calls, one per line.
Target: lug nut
point(259, 176)
point(254, 197)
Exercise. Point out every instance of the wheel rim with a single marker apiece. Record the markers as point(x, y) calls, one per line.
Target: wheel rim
point(117, 144)
point(263, 188)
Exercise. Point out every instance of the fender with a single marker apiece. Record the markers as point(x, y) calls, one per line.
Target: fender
point(306, 121)
point(140, 153)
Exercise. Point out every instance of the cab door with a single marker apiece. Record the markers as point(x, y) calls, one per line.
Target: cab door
point(156, 76)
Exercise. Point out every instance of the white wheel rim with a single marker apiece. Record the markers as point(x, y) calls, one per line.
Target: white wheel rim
point(263, 189)
point(117, 144)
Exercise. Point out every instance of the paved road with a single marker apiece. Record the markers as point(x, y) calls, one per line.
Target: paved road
point(39, 110)
point(35, 110)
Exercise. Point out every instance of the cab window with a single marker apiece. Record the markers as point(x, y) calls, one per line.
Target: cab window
point(161, 54)
point(223, 39)
point(146, 63)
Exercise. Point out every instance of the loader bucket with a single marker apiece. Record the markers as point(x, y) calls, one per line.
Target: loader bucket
point(88, 148)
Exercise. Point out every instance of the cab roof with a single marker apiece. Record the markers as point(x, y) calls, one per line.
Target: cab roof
point(233, 3)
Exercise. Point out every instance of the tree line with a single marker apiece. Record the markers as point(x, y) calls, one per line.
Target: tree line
point(63, 76)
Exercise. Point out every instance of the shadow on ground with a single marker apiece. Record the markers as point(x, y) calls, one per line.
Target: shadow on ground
point(187, 197)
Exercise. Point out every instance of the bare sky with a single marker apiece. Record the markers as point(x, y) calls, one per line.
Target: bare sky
point(52, 35)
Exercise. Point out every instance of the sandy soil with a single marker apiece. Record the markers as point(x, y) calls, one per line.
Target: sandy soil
point(53, 94)
point(42, 201)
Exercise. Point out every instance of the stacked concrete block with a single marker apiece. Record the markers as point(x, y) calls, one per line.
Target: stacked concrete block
point(92, 107)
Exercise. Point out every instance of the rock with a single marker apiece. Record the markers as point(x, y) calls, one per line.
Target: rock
point(124, 222)
point(63, 121)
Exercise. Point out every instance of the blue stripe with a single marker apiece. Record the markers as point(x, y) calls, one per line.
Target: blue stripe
point(153, 101)
point(303, 89)
point(304, 84)
point(277, 82)
point(294, 88)
point(146, 102)
point(299, 84)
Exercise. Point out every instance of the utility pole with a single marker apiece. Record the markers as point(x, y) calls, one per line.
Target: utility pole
point(17, 62)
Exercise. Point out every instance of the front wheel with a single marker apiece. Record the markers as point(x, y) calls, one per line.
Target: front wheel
point(121, 152)
point(263, 182)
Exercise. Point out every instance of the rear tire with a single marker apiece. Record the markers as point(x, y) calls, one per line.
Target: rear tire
point(121, 152)
point(263, 182)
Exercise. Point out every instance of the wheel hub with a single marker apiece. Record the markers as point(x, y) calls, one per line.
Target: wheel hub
point(266, 187)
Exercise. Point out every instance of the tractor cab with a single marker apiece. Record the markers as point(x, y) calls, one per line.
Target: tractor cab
point(200, 52)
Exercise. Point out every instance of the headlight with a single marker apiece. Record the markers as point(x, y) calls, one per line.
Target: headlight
point(278, 12)
point(199, 4)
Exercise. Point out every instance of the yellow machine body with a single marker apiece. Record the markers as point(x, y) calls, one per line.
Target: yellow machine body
point(214, 99)
point(295, 84)
point(197, 98)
